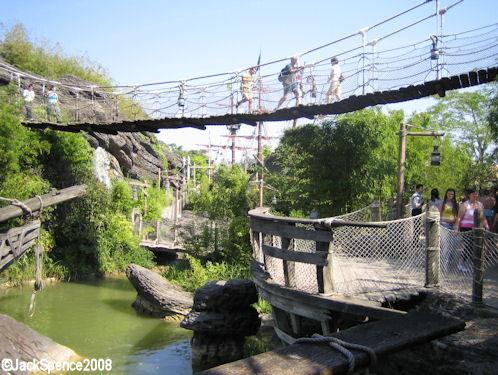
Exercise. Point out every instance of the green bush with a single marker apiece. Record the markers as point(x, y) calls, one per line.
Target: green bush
point(122, 197)
point(193, 274)
point(118, 247)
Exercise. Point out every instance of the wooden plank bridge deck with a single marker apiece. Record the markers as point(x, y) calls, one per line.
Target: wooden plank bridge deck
point(350, 104)
point(383, 337)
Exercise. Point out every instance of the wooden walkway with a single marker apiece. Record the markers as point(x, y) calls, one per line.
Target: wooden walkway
point(383, 337)
point(350, 104)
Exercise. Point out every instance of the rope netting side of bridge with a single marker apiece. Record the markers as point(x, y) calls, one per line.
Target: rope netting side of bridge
point(368, 65)
point(379, 261)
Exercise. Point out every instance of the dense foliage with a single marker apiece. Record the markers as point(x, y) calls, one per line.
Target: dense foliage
point(345, 163)
point(91, 234)
point(48, 61)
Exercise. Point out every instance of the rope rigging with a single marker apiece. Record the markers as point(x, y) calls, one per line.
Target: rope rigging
point(364, 71)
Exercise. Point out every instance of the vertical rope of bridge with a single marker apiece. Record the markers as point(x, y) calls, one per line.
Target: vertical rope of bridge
point(39, 253)
point(38, 263)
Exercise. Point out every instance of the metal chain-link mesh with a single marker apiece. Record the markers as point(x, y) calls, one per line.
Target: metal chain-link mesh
point(376, 260)
point(457, 263)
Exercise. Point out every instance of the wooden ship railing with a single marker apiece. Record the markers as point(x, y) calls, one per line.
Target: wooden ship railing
point(17, 240)
point(290, 304)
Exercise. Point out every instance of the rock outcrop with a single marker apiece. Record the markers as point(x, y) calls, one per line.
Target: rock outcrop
point(157, 296)
point(221, 318)
point(128, 154)
point(19, 343)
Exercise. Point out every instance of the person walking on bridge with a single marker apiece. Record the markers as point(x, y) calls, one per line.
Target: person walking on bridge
point(288, 78)
point(246, 89)
point(53, 105)
point(29, 96)
point(335, 81)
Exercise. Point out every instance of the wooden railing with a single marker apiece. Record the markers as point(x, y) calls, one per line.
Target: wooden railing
point(265, 226)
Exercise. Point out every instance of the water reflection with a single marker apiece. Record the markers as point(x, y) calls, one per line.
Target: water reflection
point(96, 320)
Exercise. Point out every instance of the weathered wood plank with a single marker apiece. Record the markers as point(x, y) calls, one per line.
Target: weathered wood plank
point(16, 241)
point(464, 78)
point(349, 305)
point(296, 256)
point(289, 231)
point(289, 266)
point(473, 78)
point(49, 199)
point(384, 337)
point(291, 306)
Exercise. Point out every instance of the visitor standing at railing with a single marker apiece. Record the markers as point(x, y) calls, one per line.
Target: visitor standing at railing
point(288, 78)
point(53, 105)
point(246, 89)
point(465, 222)
point(29, 96)
point(417, 200)
point(488, 202)
point(465, 219)
point(448, 209)
point(335, 80)
point(435, 200)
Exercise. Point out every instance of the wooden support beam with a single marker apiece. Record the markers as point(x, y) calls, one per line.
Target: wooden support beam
point(318, 258)
point(384, 337)
point(49, 199)
point(315, 303)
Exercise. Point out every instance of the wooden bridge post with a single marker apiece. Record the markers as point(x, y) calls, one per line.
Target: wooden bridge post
point(289, 266)
point(324, 273)
point(158, 231)
point(375, 211)
point(478, 257)
point(433, 244)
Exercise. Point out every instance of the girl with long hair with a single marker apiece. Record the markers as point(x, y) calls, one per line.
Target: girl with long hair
point(448, 209)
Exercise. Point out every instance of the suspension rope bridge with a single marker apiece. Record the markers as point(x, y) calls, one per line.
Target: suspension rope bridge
point(372, 76)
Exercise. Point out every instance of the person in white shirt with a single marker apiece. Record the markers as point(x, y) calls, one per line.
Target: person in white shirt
point(29, 96)
point(335, 81)
point(53, 105)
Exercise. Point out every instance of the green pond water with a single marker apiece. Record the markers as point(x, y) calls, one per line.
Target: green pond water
point(96, 320)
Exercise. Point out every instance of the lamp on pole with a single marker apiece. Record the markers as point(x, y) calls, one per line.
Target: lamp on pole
point(435, 160)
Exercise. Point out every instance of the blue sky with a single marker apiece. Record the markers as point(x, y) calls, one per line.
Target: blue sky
point(152, 41)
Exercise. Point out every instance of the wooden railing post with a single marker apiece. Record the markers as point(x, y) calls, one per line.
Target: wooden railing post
point(433, 244)
point(324, 273)
point(158, 231)
point(478, 257)
point(289, 266)
point(375, 211)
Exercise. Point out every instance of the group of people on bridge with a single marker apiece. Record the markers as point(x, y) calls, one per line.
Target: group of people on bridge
point(460, 216)
point(52, 98)
point(291, 83)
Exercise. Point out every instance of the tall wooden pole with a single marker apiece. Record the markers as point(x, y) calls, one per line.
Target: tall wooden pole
point(478, 257)
point(232, 132)
point(209, 160)
point(401, 169)
point(261, 162)
point(403, 133)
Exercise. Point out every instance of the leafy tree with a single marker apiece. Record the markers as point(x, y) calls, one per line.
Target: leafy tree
point(493, 120)
point(345, 162)
point(466, 116)
point(17, 49)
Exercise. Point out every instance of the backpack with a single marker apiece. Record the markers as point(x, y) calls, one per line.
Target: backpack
point(283, 72)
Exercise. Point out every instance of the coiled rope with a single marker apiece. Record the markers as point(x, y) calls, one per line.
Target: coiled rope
point(342, 347)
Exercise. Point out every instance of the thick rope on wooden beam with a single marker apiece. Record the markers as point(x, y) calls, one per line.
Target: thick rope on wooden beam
point(342, 347)
point(18, 203)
